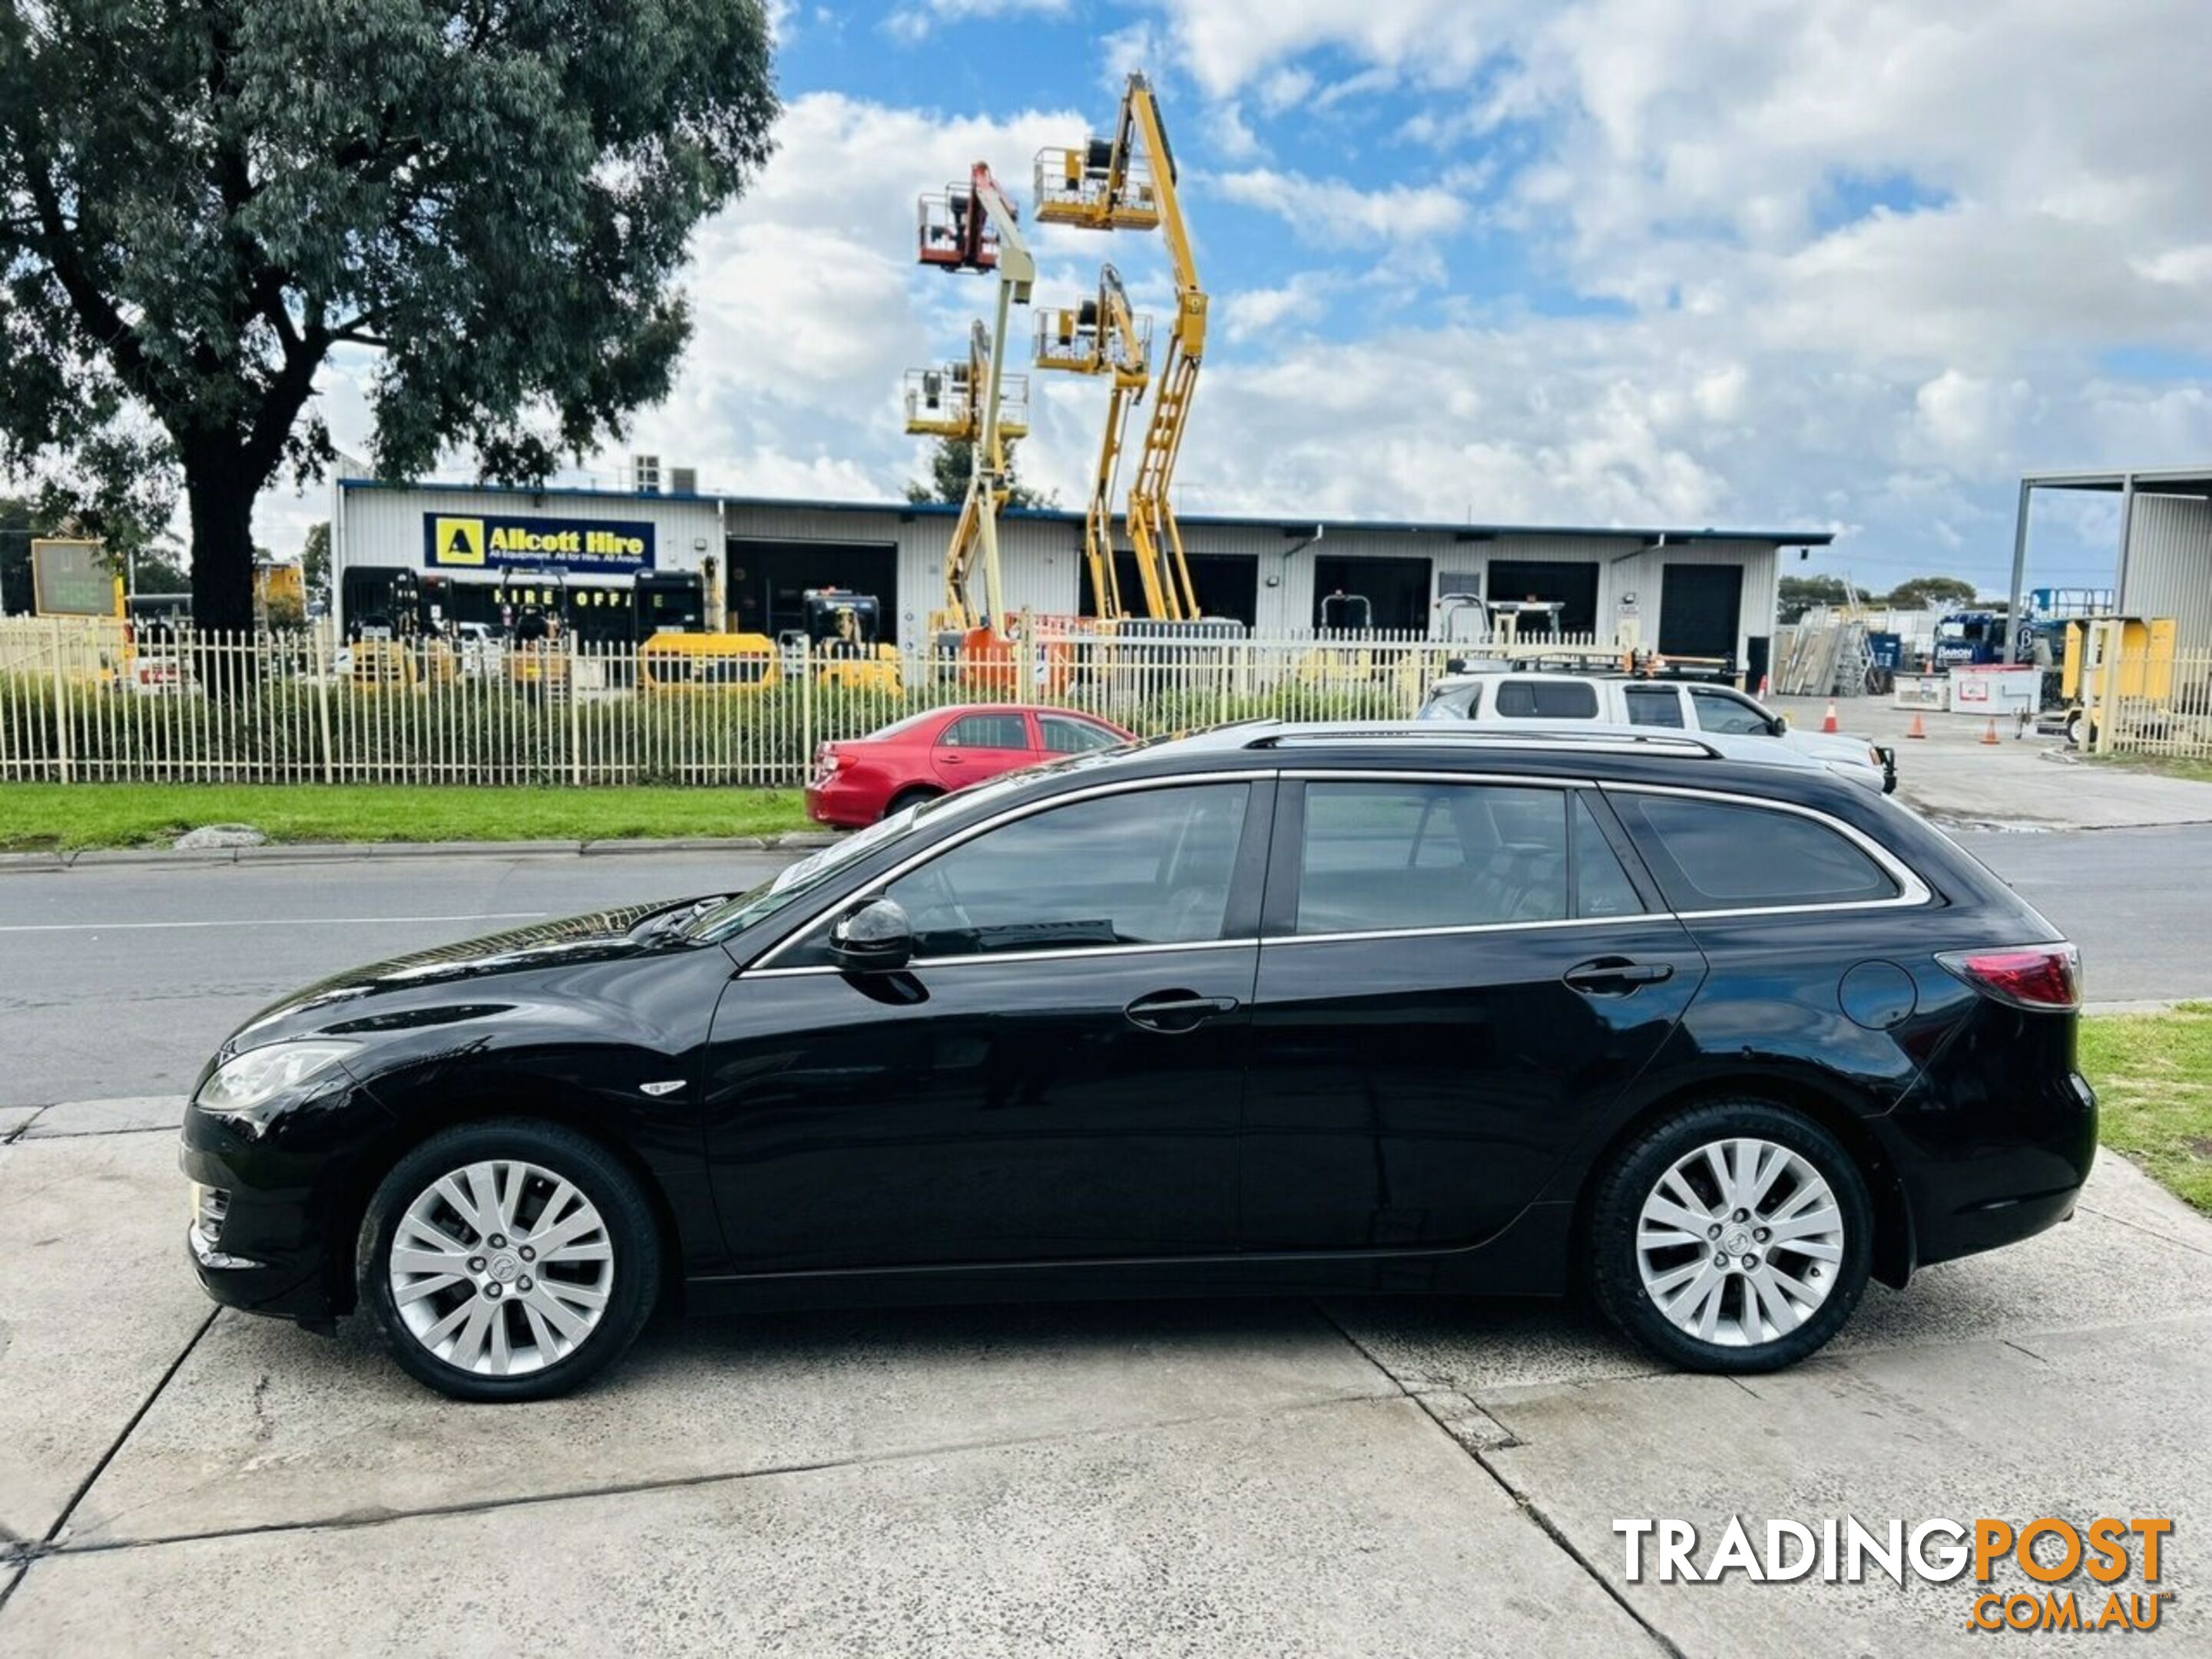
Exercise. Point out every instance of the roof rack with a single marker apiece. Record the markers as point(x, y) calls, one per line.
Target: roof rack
point(1440, 731)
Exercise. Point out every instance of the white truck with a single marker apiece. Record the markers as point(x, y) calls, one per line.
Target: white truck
point(1517, 699)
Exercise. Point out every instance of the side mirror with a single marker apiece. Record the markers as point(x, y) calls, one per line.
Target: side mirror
point(1779, 726)
point(875, 938)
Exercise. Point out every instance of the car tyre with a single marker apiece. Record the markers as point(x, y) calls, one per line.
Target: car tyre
point(567, 1291)
point(906, 797)
point(1687, 1193)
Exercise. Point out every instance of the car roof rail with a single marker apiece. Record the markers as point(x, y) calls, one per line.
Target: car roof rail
point(1499, 736)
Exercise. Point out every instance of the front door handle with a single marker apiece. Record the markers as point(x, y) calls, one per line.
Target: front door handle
point(1614, 976)
point(1175, 1010)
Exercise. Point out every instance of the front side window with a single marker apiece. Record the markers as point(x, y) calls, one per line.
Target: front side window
point(986, 732)
point(1725, 712)
point(1064, 736)
point(1150, 867)
point(1545, 700)
point(1384, 856)
point(1723, 855)
point(1654, 705)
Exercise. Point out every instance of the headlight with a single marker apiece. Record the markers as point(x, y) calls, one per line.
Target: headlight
point(246, 1084)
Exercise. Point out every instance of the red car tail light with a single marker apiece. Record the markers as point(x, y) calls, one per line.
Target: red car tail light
point(2044, 976)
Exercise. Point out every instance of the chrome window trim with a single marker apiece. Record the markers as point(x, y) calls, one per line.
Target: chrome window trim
point(1011, 814)
point(1451, 929)
point(1073, 953)
point(1911, 891)
point(1409, 775)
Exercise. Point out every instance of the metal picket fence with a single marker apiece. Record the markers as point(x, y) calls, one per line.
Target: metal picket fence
point(2159, 705)
point(86, 701)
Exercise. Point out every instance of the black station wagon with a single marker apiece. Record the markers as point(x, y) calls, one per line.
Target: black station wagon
point(1273, 1009)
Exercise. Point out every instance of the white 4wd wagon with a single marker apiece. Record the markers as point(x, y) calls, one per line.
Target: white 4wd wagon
point(1620, 700)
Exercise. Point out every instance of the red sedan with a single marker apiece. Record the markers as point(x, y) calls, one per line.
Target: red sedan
point(861, 780)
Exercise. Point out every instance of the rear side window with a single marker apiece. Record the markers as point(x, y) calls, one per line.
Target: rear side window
point(1545, 700)
point(1063, 735)
point(1654, 705)
point(1602, 886)
point(986, 732)
point(1383, 856)
point(1721, 856)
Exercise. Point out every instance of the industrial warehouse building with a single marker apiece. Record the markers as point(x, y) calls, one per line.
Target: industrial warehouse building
point(2163, 566)
point(1691, 593)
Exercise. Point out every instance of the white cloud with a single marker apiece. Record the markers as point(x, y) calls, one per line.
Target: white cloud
point(1262, 311)
point(916, 23)
point(1329, 211)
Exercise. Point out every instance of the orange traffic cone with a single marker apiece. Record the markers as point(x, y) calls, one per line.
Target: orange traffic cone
point(1828, 720)
point(1990, 735)
point(1917, 729)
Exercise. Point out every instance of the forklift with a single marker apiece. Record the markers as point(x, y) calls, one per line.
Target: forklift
point(842, 639)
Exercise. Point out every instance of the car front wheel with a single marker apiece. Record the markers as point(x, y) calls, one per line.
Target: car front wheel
point(508, 1260)
point(1734, 1236)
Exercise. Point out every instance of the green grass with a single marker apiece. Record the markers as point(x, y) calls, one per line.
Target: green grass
point(45, 817)
point(2153, 1075)
point(2165, 766)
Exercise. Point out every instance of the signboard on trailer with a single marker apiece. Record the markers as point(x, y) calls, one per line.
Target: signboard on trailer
point(70, 579)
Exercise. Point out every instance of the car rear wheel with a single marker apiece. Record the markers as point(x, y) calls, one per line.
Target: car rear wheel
point(508, 1260)
point(906, 797)
point(1734, 1236)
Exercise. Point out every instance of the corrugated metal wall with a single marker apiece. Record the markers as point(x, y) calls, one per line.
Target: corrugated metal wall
point(1043, 558)
point(2169, 566)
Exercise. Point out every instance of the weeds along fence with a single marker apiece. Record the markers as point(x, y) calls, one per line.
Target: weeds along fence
point(85, 702)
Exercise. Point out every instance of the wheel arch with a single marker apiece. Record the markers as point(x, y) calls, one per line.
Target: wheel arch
point(435, 1110)
point(1894, 1243)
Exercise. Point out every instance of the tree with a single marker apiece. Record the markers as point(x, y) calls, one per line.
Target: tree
point(1933, 592)
point(951, 461)
point(1798, 594)
point(315, 560)
point(202, 201)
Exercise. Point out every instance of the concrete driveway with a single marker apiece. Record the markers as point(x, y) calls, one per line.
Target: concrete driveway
point(1204, 1478)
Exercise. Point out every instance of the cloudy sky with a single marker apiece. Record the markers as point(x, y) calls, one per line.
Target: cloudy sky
point(1825, 263)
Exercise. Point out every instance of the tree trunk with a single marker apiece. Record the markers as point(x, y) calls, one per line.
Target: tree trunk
point(219, 489)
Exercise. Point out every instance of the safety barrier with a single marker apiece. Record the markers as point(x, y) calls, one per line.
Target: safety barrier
point(87, 702)
point(2159, 705)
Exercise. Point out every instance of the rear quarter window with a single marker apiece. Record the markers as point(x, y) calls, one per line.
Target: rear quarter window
point(1724, 855)
point(1545, 700)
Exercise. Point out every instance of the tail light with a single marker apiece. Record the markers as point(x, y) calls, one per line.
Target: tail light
point(2043, 976)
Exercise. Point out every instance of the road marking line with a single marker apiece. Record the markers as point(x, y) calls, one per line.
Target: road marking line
point(265, 921)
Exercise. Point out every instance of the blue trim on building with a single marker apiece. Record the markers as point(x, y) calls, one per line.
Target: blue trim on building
point(1289, 526)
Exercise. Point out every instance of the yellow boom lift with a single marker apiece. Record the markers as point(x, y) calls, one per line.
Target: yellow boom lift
point(973, 227)
point(1128, 182)
point(1102, 337)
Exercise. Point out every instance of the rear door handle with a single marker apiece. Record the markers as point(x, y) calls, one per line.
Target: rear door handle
point(1175, 1010)
point(1615, 976)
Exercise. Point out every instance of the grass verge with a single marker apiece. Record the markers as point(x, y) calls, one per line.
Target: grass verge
point(2153, 1075)
point(2193, 771)
point(48, 816)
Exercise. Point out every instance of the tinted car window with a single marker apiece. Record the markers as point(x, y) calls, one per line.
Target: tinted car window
point(1390, 855)
point(1063, 735)
point(1601, 885)
point(1654, 705)
point(986, 732)
point(1711, 855)
point(1722, 711)
point(1147, 868)
point(1451, 702)
point(1547, 700)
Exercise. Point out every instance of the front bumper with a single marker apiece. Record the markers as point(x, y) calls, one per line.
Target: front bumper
point(269, 1258)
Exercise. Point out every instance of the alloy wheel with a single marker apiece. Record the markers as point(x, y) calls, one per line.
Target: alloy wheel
point(1739, 1242)
point(502, 1269)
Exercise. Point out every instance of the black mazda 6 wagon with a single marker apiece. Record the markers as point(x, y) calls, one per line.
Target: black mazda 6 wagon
point(1273, 1009)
